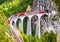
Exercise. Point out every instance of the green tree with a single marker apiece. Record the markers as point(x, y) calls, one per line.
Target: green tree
point(14, 6)
point(57, 2)
point(2, 1)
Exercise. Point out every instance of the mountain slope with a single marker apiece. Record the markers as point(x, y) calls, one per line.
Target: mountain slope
point(4, 29)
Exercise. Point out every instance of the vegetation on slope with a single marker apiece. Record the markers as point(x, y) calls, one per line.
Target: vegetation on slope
point(4, 29)
point(8, 8)
point(14, 6)
point(2, 1)
point(46, 37)
point(57, 2)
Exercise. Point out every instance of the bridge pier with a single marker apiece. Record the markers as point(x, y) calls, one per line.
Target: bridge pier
point(21, 24)
point(29, 25)
point(38, 27)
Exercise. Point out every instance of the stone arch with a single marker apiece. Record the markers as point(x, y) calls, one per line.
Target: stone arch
point(34, 19)
point(18, 23)
point(13, 23)
point(25, 23)
point(43, 22)
point(45, 17)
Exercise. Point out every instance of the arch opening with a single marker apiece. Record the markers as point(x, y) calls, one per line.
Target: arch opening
point(13, 23)
point(33, 24)
point(43, 23)
point(18, 22)
point(25, 24)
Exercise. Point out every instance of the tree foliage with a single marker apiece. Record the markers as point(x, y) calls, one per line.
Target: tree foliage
point(57, 2)
point(14, 6)
point(4, 29)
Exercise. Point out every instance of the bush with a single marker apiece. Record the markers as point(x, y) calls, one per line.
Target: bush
point(48, 37)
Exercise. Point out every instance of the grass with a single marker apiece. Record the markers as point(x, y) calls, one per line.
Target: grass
point(4, 29)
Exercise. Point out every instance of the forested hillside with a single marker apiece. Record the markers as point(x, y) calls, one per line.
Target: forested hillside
point(57, 2)
point(4, 28)
point(14, 6)
point(10, 7)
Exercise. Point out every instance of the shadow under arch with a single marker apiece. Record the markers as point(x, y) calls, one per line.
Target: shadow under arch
point(13, 23)
point(18, 22)
point(43, 22)
point(34, 24)
point(25, 24)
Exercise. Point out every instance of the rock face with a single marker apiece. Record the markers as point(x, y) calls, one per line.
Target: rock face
point(45, 5)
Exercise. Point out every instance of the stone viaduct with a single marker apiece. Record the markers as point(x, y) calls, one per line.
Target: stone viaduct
point(29, 17)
